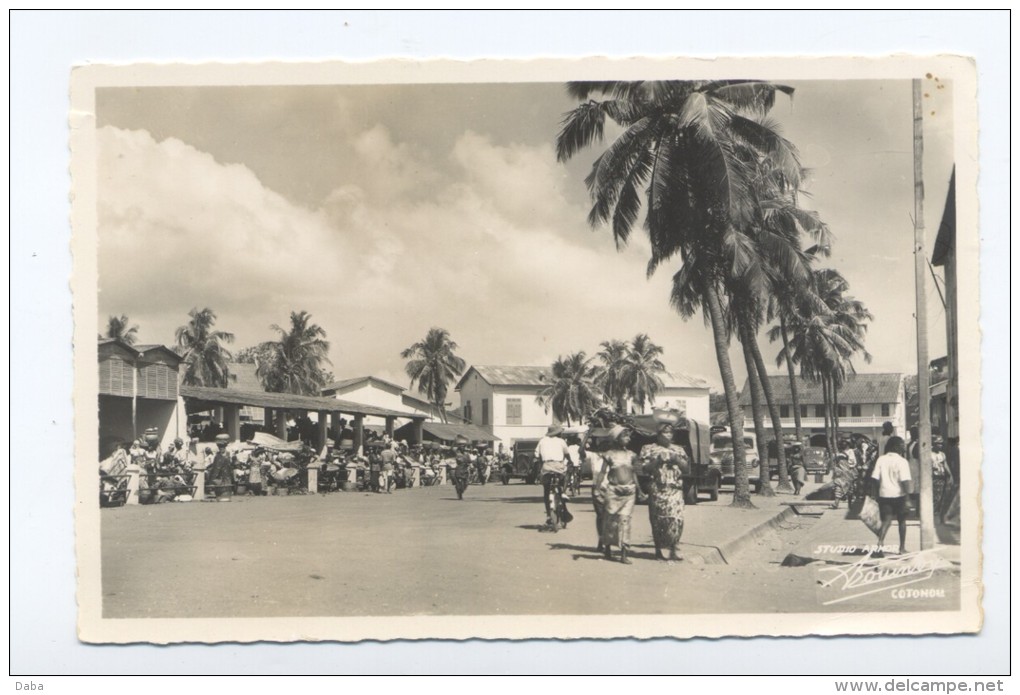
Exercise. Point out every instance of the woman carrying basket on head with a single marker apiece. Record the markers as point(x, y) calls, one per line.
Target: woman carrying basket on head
point(620, 493)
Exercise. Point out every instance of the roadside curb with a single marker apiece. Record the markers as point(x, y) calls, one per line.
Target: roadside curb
point(722, 554)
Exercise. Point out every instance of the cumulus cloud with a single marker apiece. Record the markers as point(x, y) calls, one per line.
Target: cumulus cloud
point(488, 246)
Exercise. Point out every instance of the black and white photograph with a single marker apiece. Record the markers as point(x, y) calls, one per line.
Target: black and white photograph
point(512, 349)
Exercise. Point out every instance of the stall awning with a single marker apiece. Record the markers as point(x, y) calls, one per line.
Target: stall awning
point(200, 398)
point(448, 432)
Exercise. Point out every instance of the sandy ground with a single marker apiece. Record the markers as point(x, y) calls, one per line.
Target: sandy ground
point(424, 552)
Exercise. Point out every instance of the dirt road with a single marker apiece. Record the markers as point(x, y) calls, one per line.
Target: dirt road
point(421, 552)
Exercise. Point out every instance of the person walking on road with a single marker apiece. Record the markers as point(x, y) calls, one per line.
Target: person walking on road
point(221, 471)
point(844, 473)
point(798, 473)
point(462, 471)
point(665, 463)
point(552, 452)
point(893, 485)
point(621, 490)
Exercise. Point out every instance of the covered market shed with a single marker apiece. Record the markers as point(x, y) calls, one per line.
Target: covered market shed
point(278, 405)
point(446, 432)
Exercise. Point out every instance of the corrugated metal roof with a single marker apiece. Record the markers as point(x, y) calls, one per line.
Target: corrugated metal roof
point(542, 376)
point(243, 377)
point(858, 389)
point(287, 401)
point(511, 376)
point(678, 380)
point(140, 350)
point(344, 383)
point(449, 432)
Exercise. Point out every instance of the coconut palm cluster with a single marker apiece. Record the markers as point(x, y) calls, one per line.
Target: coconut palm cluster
point(719, 188)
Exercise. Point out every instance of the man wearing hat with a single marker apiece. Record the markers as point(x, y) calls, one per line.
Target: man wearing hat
point(553, 453)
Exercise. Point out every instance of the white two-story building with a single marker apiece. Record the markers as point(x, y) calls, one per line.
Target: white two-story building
point(371, 390)
point(865, 401)
point(503, 399)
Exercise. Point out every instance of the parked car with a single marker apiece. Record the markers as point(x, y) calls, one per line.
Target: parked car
point(816, 454)
point(522, 464)
point(721, 453)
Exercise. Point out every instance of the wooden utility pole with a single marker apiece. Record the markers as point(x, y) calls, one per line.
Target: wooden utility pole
point(923, 387)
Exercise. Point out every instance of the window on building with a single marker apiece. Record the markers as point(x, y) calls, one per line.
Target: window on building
point(784, 411)
point(485, 411)
point(513, 411)
point(855, 411)
point(841, 411)
point(885, 410)
point(819, 411)
point(803, 411)
point(467, 411)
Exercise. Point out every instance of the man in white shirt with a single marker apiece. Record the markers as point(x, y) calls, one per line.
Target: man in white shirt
point(552, 452)
point(893, 484)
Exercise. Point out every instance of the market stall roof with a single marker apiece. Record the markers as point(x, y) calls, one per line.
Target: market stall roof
point(203, 397)
point(448, 432)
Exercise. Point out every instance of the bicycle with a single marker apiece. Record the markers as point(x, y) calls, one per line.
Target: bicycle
point(573, 481)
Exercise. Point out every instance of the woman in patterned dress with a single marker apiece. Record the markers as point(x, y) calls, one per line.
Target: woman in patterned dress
point(844, 473)
point(665, 463)
point(621, 489)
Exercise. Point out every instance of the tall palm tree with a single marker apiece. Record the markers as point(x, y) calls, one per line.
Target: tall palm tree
point(775, 263)
point(295, 361)
point(572, 395)
point(688, 152)
point(826, 332)
point(642, 370)
point(202, 350)
point(433, 365)
point(118, 328)
point(610, 372)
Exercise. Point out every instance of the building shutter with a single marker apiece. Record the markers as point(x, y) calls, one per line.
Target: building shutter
point(513, 411)
point(157, 381)
point(115, 377)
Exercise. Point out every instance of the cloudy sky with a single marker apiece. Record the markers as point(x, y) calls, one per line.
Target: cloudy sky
point(385, 210)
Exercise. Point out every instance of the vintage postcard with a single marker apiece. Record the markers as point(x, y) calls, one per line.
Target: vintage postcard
point(589, 348)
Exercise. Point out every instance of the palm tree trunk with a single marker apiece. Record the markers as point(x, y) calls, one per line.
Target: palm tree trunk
point(793, 388)
point(825, 409)
point(832, 416)
point(746, 340)
point(835, 412)
point(777, 423)
point(741, 491)
point(830, 444)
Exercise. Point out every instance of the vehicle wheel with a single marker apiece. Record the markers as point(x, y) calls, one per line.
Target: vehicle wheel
point(713, 494)
point(504, 478)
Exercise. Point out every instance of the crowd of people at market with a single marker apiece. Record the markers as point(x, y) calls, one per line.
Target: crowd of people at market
point(617, 468)
point(381, 465)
